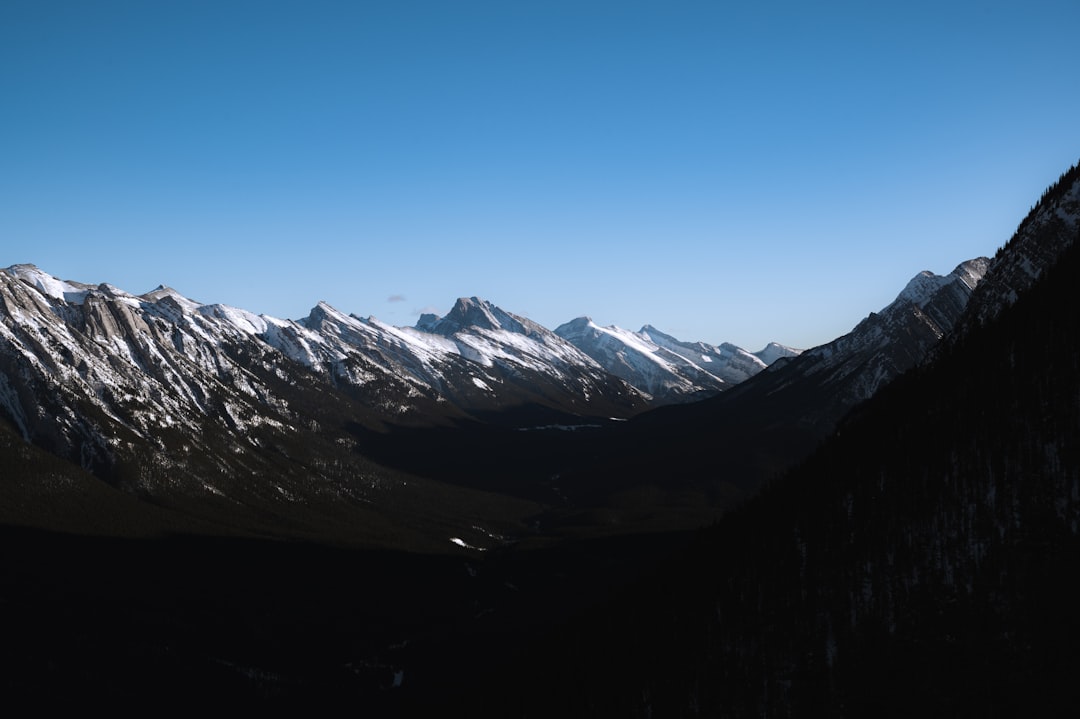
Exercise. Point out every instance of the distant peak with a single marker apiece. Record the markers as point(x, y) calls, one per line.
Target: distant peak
point(473, 312)
point(653, 333)
point(164, 293)
point(575, 327)
point(924, 285)
point(48, 285)
point(160, 291)
point(427, 322)
point(775, 351)
point(464, 305)
point(320, 312)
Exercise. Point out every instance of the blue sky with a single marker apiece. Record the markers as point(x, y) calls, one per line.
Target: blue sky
point(721, 171)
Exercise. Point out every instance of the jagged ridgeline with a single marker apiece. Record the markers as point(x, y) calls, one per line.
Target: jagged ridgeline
point(196, 404)
point(199, 406)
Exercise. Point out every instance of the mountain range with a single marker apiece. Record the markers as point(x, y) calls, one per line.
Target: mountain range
point(387, 500)
point(478, 357)
point(165, 397)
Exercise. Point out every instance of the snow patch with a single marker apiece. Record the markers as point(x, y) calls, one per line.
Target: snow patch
point(46, 284)
point(462, 543)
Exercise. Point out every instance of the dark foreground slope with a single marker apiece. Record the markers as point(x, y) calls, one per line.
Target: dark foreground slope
point(925, 561)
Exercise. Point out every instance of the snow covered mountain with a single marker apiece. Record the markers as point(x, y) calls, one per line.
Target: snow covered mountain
point(188, 403)
point(668, 369)
point(480, 358)
point(91, 372)
point(161, 360)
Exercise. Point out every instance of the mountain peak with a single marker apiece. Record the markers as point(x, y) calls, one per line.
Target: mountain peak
point(427, 322)
point(775, 351)
point(168, 294)
point(578, 324)
point(654, 334)
point(924, 286)
point(22, 267)
point(473, 312)
point(971, 272)
point(46, 284)
point(322, 311)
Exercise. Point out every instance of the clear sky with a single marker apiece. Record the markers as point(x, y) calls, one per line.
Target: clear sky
point(725, 171)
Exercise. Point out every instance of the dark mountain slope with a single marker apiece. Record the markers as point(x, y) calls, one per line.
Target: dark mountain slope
point(1049, 228)
point(924, 561)
point(722, 449)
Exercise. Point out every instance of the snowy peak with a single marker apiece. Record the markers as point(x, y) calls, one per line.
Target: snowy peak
point(475, 348)
point(583, 331)
point(475, 313)
point(924, 286)
point(728, 362)
point(323, 312)
point(242, 320)
point(427, 322)
point(775, 351)
point(46, 284)
point(666, 368)
point(440, 355)
point(576, 326)
point(162, 292)
point(940, 300)
point(477, 357)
